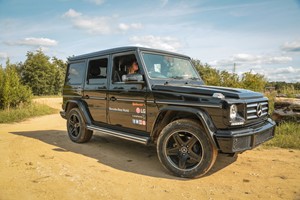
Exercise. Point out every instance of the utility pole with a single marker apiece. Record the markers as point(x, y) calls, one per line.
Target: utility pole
point(234, 68)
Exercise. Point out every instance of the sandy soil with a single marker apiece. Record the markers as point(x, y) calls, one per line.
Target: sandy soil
point(38, 161)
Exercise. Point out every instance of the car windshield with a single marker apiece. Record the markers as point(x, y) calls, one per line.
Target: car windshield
point(169, 67)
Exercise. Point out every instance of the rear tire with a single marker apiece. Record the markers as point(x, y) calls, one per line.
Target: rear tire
point(185, 149)
point(76, 127)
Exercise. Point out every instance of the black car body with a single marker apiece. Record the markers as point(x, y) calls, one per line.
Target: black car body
point(164, 103)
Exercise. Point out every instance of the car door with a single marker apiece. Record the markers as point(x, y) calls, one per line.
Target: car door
point(126, 101)
point(95, 89)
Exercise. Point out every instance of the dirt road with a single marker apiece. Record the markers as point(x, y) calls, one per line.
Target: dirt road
point(38, 161)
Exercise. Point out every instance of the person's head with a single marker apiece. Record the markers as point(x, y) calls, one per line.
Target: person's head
point(168, 59)
point(133, 67)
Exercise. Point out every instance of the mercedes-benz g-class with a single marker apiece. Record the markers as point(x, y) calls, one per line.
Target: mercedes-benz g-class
point(163, 102)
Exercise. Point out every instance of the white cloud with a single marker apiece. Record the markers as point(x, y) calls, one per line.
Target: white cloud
point(72, 13)
point(287, 74)
point(291, 46)
point(95, 25)
point(98, 25)
point(258, 59)
point(267, 65)
point(136, 25)
point(125, 27)
point(97, 2)
point(166, 43)
point(43, 42)
point(286, 70)
point(3, 55)
point(247, 59)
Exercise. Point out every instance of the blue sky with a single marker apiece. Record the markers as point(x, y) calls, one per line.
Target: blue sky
point(259, 36)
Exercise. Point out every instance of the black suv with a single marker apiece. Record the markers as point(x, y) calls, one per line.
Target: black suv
point(165, 103)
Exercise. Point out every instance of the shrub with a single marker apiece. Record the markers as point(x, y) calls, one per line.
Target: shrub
point(12, 92)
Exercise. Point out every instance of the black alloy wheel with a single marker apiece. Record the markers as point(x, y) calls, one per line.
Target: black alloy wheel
point(185, 149)
point(77, 128)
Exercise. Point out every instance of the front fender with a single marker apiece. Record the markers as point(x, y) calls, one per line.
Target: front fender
point(203, 117)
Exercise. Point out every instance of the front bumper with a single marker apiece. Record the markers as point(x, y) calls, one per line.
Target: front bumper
point(231, 141)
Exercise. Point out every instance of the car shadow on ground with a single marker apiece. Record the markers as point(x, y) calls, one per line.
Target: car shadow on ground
point(116, 153)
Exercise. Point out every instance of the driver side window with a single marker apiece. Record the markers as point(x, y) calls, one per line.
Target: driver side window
point(126, 73)
point(122, 66)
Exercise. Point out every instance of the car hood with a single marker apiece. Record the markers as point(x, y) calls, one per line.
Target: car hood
point(235, 93)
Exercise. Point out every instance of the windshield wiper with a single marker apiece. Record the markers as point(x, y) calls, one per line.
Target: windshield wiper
point(194, 78)
point(176, 77)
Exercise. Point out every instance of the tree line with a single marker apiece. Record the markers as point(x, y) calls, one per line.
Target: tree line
point(42, 75)
point(248, 80)
point(212, 76)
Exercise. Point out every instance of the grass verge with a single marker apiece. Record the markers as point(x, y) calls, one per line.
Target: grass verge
point(20, 114)
point(287, 135)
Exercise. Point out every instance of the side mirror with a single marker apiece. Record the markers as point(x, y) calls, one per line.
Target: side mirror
point(133, 78)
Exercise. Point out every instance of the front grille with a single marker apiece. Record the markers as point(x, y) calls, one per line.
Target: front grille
point(257, 110)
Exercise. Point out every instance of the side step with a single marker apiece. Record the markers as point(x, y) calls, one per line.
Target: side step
point(124, 135)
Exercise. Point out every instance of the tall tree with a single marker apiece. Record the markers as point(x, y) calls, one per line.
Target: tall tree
point(230, 79)
point(43, 76)
point(60, 73)
point(36, 72)
point(255, 82)
point(209, 75)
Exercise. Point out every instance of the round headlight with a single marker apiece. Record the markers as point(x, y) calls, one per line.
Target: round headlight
point(233, 112)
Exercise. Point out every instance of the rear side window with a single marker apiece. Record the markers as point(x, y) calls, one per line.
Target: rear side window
point(76, 73)
point(97, 71)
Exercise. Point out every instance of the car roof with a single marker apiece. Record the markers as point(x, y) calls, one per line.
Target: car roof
point(120, 50)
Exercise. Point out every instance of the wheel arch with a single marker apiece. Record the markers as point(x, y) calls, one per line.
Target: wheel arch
point(172, 113)
point(70, 104)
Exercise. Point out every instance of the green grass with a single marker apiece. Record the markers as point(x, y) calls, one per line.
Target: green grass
point(287, 135)
point(20, 114)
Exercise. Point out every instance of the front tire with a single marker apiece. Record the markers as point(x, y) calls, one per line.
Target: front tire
point(184, 149)
point(76, 127)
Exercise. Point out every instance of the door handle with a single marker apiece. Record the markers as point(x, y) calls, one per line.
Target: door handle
point(112, 98)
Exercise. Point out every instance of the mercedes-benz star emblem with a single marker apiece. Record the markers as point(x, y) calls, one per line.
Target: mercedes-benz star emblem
point(259, 110)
